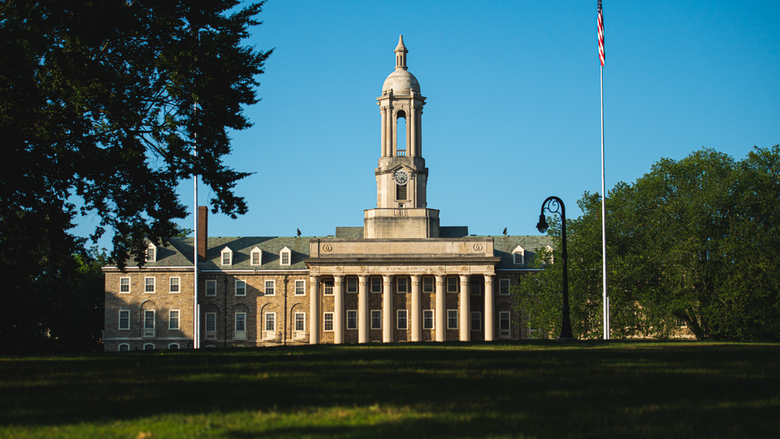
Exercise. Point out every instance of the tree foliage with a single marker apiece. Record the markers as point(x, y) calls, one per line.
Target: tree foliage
point(693, 242)
point(101, 107)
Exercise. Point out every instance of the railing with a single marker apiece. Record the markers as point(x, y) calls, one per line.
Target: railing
point(149, 333)
point(400, 153)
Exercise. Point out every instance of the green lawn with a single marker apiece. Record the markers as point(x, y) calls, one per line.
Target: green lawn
point(530, 389)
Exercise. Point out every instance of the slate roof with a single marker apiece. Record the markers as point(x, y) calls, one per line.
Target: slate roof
point(179, 252)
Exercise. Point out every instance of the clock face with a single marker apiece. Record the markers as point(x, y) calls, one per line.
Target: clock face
point(401, 177)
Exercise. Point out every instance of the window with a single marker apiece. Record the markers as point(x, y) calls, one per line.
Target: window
point(503, 287)
point(351, 319)
point(452, 319)
point(476, 321)
point(173, 319)
point(503, 323)
point(300, 321)
point(376, 319)
point(256, 257)
point(151, 253)
point(149, 323)
point(124, 347)
point(352, 286)
point(270, 288)
point(124, 284)
point(400, 193)
point(173, 284)
point(240, 288)
point(518, 255)
point(376, 284)
point(240, 332)
point(211, 288)
point(328, 286)
point(452, 284)
point(428, 319)
point(327, 321)
point(148, 285)
point(427, 285)
point(401, 285)
point(285, 256)
point(124, 319)
point(173, 346)
point(401, 320)
point(149, 347)
point(270, 321)
point(475, 287)
point(300, 287)
point(211, 325)
point(226, 256)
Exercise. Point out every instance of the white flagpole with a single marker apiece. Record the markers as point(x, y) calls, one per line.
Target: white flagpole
point(604, 216)
point(195, 308)
point(605, 300)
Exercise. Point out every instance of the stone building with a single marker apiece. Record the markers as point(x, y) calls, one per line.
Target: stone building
point(402, 277)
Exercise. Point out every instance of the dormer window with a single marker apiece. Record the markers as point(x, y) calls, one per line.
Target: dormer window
point(285, 256)
point(256, 256)
point(550, 258)
point(518, 255)
point(226, 256)
point(151, 253)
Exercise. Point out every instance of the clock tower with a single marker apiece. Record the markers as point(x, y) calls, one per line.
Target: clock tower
point(401, 175)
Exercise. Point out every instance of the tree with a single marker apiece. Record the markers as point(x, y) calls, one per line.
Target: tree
point(101, 107)
point(694, 241)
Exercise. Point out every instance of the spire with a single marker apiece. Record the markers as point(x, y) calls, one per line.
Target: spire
point(400, 54)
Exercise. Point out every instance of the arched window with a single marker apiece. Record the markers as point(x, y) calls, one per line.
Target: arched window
point(400, 134)
point(124, 347)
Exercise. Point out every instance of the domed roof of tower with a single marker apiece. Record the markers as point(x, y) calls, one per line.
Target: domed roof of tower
point(401, 82)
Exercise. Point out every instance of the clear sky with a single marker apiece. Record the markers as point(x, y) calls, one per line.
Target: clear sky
point(513, 108)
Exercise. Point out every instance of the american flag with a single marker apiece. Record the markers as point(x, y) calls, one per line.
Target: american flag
point(601, 34)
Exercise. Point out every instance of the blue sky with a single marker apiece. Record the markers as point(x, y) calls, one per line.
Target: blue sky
point(512, 114)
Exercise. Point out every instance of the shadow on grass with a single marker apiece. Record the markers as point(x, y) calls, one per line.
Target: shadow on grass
point(536, 389)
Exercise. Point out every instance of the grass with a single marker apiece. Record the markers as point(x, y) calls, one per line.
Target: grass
point(534, 389)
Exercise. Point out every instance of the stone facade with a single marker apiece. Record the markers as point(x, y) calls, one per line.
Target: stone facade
point(400, 278)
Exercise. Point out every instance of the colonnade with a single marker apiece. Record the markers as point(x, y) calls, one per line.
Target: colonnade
point(415, 318)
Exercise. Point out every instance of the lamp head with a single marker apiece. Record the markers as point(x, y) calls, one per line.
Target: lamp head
point(542, 226)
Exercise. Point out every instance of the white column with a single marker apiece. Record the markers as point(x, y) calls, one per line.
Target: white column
point(441, 312)
point(387, 309)
point(338, 310)
point(416, 327)
point(410, 142)
point(363, 323)
point(419, 131)
point(465, 314)
point(391, 126)
point(314, 310)
point(383, 148)
point(489, 308)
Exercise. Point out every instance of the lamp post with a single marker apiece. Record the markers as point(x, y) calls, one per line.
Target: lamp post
point(555, 205)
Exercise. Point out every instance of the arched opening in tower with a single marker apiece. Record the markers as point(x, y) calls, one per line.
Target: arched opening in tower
point(400, 130)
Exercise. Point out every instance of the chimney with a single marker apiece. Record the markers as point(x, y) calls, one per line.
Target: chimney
point(203, 232)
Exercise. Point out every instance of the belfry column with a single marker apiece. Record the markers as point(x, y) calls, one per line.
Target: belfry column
point(416, 308)
point(314, 309)
point(412, 139)
point(387, 309)
point(338, 310)
point(489, 308)
point(383, 145)
point(441, 313)
point(362, 309)
point(465, 314)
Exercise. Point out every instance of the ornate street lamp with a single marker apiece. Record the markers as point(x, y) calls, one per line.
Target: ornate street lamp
point(555, 205)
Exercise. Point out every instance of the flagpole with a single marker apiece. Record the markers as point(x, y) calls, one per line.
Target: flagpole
point(605, 300)
point(603, 215)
